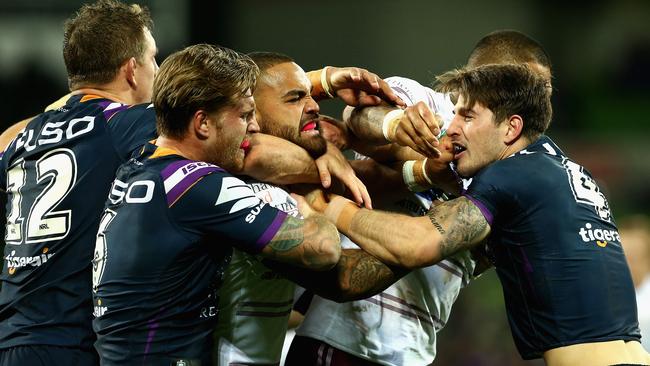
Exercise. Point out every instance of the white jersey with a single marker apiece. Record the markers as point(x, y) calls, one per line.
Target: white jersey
point(399, 325)
point(254, 301)
point(643, 307)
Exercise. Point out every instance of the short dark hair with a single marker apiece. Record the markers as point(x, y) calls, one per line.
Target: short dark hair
point(100, 37)
point(201, 76)
point(506, 90)
point(266, 60)
point(508, 46)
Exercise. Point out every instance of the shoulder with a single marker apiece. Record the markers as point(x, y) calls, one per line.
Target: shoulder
point(121, 113)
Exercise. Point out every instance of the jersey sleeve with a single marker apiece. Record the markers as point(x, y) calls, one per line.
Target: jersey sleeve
point(131, 127)
point(220, 204)
point(491, 191)
point(413, 92)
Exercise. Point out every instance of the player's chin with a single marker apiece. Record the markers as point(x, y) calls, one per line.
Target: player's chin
point(464, 169)
point(316, 146)
point(235, 162)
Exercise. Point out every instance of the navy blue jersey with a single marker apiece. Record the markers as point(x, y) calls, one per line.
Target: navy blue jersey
point(165, 237)
point(557, 251)
point(57, 173)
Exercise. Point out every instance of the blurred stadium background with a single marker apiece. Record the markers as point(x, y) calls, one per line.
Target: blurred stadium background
point(600, 50)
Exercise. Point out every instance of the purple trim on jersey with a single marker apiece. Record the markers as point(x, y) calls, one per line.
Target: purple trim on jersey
point(406, 313)
point(432, 103)
point(450, 269)
point(528, 270)
point(270, 231)
point(404, 302)
point(153, 327)
point(399, 89)
point(108, 113)
point(179, 176)
point(486, 213)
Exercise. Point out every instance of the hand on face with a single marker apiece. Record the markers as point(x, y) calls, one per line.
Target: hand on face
point(360, 87)
point(333, 163)
point(417, 129)
point(439, 170)
point(334, 131)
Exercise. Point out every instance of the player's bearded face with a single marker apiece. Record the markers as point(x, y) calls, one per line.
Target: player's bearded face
point(476, 138)
point(305, 134)
point(285, 108)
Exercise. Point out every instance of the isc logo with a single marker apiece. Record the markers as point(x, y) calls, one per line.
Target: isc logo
point(140, 191)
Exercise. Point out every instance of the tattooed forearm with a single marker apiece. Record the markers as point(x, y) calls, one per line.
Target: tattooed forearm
point(464, 222)
point(357, 275)
point(435, 223)
point(365, 274)
point(312, 243)
point(289, 236)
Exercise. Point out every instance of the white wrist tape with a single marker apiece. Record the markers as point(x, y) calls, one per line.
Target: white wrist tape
point(409, 177)
point(324, 83)
point(424, 171)
point(390, 123)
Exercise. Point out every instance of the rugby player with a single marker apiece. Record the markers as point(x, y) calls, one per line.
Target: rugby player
point(175, 212)
point(549, 226)
point(56, 173)
point(255, 301)
point(400, 325)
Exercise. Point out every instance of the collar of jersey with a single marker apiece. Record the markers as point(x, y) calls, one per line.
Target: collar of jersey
point(159, 152)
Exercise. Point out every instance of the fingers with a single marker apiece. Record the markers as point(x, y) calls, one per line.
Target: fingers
point(356, 189)
point(418, 129)
point(324, 172)
point(361, 80)
point(367, 202)
point(303, 207)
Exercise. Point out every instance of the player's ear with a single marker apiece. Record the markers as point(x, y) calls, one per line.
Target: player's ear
point(515, 125)
point(128, 68)
point(201, 124)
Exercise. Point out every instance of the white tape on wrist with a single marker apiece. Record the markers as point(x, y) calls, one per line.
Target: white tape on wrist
point(424, 171)
point(389, 124)
point(324, 83)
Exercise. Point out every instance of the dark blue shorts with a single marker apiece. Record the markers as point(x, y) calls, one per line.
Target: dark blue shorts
point(38, 355)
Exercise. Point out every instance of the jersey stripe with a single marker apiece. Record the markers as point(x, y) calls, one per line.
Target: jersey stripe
point(181, 175)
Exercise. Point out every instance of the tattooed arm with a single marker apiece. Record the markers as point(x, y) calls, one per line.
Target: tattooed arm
point(410, 242)
point(357, 275)
point(311, 243)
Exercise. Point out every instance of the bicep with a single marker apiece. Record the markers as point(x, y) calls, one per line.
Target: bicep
point(460, 224)
point(311, 243)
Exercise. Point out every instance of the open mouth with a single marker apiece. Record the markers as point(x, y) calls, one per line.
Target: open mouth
point(458, 150)
point(309, 126)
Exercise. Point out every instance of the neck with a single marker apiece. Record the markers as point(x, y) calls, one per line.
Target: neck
point(116, 90)
point(182, 146)
point(520, 144)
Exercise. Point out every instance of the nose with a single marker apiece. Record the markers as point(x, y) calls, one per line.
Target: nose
point(311, 107)
point(454, 126)
point(252, 126)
